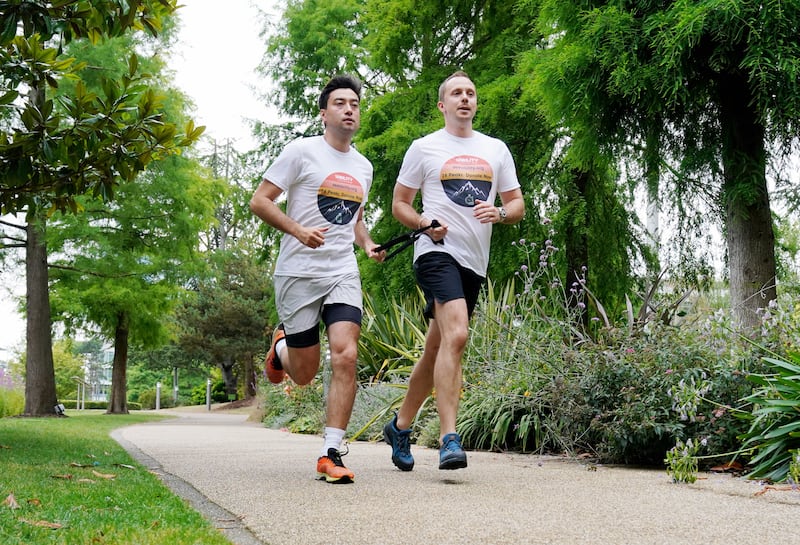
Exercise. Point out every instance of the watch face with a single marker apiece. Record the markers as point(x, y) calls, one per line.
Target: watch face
point(502, 213)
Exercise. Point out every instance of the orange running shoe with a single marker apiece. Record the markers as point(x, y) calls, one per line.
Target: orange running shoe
point(331, 469)
point(272, 367)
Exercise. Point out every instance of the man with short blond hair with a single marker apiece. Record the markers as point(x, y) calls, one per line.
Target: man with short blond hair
point(459, 172)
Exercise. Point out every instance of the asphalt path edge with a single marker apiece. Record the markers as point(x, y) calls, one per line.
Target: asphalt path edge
point(223, 520)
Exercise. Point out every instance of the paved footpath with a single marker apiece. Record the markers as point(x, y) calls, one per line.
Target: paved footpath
point(258, 486)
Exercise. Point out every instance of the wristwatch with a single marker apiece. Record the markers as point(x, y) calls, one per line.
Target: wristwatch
point(503, 214)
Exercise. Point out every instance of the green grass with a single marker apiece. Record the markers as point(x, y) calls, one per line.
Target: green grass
point(56, 487)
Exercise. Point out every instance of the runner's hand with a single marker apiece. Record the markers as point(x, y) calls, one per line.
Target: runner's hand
point(312, 237)
point(485, 212)
point(437, 233)
point(377, 256)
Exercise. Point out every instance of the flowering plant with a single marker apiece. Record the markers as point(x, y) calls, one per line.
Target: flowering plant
point(682, 461)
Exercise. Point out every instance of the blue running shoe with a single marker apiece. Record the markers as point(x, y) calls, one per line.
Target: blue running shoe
point(400, 441)
point(451, 455)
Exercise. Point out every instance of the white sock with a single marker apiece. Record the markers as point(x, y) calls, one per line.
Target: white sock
point(333, 438)
point(279, 346)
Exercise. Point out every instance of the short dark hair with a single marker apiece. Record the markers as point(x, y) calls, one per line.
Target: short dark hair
point(342, 81)
point(456, 74)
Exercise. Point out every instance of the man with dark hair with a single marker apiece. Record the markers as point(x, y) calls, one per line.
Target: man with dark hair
point(460, 173)
point(326, 182)
point(338, 82)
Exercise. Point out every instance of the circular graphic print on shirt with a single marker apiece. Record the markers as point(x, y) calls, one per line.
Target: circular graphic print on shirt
point(466, 178)
point(339, 197)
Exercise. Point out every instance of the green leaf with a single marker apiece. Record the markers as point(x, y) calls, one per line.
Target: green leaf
point(786, 429)
point(783, 364)
point(8, 97)
point(133, 65)
point(8, 29)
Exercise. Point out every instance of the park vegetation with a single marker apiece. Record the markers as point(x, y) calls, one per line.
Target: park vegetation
point(643, 312)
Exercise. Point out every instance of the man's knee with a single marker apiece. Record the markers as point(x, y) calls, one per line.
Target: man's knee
point(343, 340)
point(453, 323)
point(345, 356)
point(457, 338)
point(454, 335)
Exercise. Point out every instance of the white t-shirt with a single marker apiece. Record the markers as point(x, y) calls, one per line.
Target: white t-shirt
point(452, 173)
point(324, 188)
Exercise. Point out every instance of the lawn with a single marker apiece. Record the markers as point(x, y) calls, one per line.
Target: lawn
point(65, 481)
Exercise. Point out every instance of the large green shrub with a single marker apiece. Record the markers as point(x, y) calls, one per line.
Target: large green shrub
point(536, 379)
point(773, 433)
point(647, 391)
point(12, 402)
point(147, 399)
point(218, 393)
point(393, 334)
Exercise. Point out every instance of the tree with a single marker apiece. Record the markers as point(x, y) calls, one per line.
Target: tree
point(314, 41)
point(224, 320)
point(68, 366)
point(138, 253)
point(81, 144)
point(403, 50)
point(409, 47)
point(53, 151)
point(236, 226)
point(710, 85)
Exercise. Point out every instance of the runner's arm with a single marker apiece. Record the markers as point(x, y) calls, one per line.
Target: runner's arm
point(262, 204)
point(514, 204)
point(404, 212)
point(364, 240)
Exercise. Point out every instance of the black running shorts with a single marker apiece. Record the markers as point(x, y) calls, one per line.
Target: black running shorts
point(442, 279)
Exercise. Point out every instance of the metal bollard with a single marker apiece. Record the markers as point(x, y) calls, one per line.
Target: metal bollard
point(158, 395)
point(208, 394)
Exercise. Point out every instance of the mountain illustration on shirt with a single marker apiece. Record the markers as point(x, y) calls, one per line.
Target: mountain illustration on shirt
point(466, 178)
point(339, 198)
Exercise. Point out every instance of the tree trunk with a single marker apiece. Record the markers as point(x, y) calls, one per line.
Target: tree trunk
point(228, 376)
point(749, 230)
point(40, 378)
point(250, 377)
point(577, 246)
point(652, 175)
point(118, 404)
